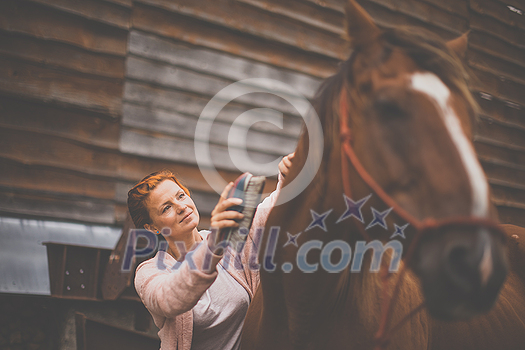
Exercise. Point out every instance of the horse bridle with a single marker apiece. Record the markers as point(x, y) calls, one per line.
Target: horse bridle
point(383, 334)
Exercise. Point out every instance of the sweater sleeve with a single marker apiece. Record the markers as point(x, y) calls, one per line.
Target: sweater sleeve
point(170, 292)
point(264, 208)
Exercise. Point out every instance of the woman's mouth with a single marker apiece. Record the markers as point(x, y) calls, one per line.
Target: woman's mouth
point(186, 217)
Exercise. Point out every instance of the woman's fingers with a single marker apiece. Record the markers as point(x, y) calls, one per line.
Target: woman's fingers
point(225, 192)
point(285, 164)
point(224, 223)
point(225, 204)
point(222, 217)
point(227, 215)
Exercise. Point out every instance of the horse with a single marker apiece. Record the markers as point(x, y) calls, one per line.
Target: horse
point(397, 125)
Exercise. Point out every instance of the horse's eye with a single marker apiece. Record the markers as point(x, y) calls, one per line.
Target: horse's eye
point(365, 87)
point(389, 109)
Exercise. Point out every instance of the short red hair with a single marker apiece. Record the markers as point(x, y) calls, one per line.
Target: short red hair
point(138, 195)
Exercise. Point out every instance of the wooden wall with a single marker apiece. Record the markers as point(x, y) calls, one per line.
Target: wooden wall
point(62, 70)
point(94, 94)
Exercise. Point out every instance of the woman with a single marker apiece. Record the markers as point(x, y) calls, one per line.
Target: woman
point(195, 305)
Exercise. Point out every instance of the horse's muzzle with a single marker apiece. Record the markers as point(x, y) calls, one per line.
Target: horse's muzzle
point(461, 270)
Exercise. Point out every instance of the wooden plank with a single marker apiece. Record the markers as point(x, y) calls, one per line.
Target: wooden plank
point(165, 75)
point(494, 46)
point(200, 32)
point(425, 13)
point(154, 97)
point(503, 132)
point(504, 192)
point(511, 215)
point(234, 15)
point(49, 207)
point(125, 3)
point(103, 11)
point(488, 24)
point(517, 4)
point(182, 126)
point(173, 122)
point(215, 63)
point(53, 181)
point(499, 87)
point(76, 125)
point(307, 12)
point(391, 13)
point(57, 155)
point(500, 11)
point(50, 151)
point(498, 110)
point(504, 173)
point(60, 55)
point(458, 7)
point(46, 23)
point(205, 202)
point(34, 81)
point(183, 150)
point(134, 168)
point(388, 18)
point(497, 151)
point(497, 66)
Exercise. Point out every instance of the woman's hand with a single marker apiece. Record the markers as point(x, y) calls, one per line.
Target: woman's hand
point(222, 218)
point(286, 163)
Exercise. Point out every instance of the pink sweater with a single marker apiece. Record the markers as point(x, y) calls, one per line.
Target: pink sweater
point(170, 294)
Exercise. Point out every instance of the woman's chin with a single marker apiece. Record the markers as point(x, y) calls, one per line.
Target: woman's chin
point(191, 222)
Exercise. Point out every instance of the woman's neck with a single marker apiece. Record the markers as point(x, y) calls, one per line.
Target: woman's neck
point(188, 240)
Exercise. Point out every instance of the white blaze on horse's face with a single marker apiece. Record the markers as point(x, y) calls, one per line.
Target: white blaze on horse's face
point(431, 85)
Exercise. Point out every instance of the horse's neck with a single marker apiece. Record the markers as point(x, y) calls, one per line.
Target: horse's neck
point(368, 296)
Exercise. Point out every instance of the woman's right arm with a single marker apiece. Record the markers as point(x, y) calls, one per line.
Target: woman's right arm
point(168, 292)
point(171, 293)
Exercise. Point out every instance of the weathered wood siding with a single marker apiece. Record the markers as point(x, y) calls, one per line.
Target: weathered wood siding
point(94, 94)
point(62, 70)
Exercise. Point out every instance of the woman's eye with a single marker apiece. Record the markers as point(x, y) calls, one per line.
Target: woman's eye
point(166, 208)
point(181, 195)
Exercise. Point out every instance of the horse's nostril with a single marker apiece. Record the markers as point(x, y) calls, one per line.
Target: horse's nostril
point(463, 269)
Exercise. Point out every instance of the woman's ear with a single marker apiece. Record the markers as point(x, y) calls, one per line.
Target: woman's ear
point(151, 228)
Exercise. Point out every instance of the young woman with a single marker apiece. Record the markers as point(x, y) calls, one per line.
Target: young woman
point(195, 305)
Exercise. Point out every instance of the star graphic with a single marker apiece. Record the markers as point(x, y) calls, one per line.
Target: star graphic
point(318, 220)
point(379, 218)
point(292, 239)
point(400, 231)
point(353, 208)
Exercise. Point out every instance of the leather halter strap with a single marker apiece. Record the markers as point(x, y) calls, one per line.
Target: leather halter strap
point(348, 157)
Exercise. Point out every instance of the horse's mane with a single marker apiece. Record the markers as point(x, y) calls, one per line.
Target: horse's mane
point(427, 50)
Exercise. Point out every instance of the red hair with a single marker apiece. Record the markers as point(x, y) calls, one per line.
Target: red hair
point(138, 195)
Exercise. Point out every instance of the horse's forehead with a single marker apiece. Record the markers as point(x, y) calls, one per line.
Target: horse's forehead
point(390, 67)
point(387, 61)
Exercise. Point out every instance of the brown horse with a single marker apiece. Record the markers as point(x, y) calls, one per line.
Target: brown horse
point(401, 111)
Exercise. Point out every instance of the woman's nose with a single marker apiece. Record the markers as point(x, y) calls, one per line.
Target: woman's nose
point(181, 208)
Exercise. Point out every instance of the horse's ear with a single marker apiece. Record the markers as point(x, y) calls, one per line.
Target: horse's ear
point(360, 27)
point(459, 45)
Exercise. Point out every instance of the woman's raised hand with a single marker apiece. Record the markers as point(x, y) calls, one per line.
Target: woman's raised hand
point(286, 163)
point(220, 217)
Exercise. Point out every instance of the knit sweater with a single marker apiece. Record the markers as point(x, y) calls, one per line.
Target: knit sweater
point(170, 290)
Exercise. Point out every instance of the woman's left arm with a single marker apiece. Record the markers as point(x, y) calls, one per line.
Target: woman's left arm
point(264, 208)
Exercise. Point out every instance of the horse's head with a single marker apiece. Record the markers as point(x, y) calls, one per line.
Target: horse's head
point(410, 114)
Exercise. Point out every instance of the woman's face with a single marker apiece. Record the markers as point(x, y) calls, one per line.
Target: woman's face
point(169, 206)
